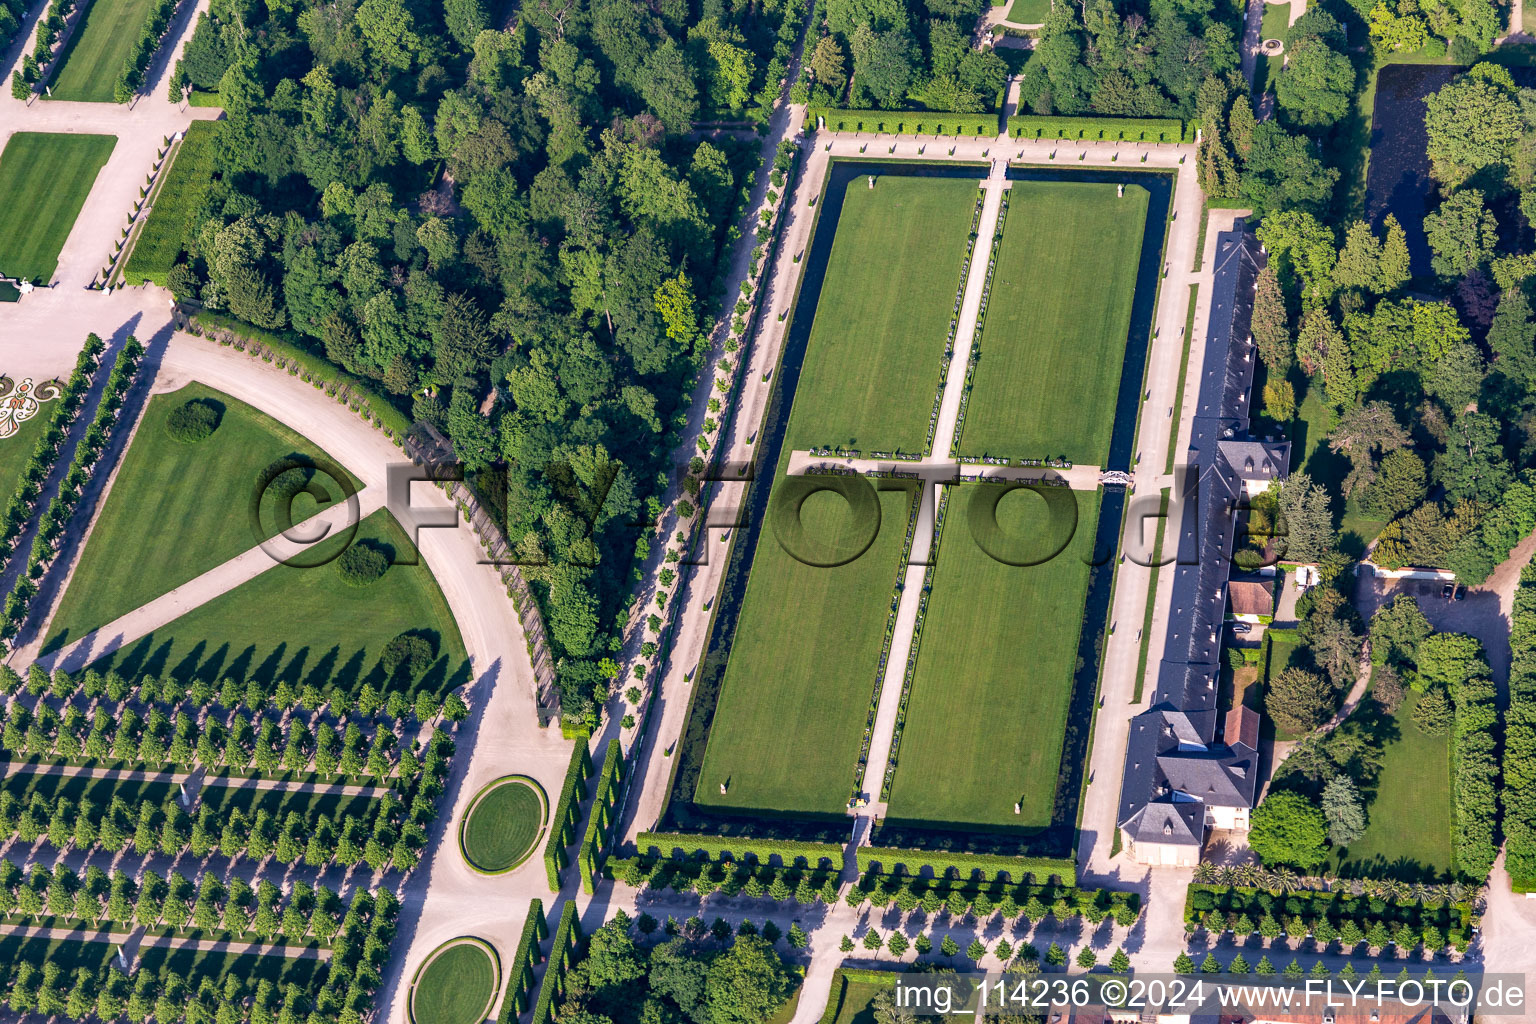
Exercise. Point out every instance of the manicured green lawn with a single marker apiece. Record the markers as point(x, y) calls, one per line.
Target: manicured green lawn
point(16, 450)
point(176, 510)
point(803, 667)
point(1409, 832)
point(95, 53)
point(988, 707)
point(503, 825)
point(44, 179)
point(871, 367)
point(306, 625)
point(1277, 18)
point(1029, 12)
point(1283, 653)
point(1057, 322)
point(455, 987)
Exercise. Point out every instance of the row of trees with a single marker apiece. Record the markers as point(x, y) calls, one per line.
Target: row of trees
point(158, 740)
point(60, 411)
point(390, 832)
point(253, 695)
point(218, 990)
point(34, 65)
point(1377, 935)
point(907, 893)
point(150, 900)
point(88, 451)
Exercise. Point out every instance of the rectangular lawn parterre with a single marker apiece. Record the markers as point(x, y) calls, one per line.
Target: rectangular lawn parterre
point(987, 712)
point(94, 56)
point(790, 717)
point(1058, 317)
point(871, 367)
point(45, 179)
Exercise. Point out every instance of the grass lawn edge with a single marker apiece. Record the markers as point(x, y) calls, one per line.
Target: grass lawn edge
point(462, 940)
point(475, 802)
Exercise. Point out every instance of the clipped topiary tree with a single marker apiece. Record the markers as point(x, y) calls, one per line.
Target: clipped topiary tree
point(194, 421)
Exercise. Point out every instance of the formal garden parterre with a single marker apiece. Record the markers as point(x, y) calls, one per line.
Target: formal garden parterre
point(1057, 322)
point(45, 179)
point(989, 703)
point(796, 661)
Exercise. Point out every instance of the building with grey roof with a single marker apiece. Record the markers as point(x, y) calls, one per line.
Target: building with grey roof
point(1180, 778)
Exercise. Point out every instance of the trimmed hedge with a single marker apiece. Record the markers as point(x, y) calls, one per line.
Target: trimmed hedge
point(567, 937)
point(313, 368)
point(681, 846)
point(966, 865)
point(1474, 776)
point(1518, 794)
point(1378, 921)
point(520, 971)
point(594, 846)
point(1093, 129)
point(841, 977)
point(562, 823)
point(904, 122)
point(178, 206)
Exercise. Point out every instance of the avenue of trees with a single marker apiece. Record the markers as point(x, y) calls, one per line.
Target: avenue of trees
point(216, 989)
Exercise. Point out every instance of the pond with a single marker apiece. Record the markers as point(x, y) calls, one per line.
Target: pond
point(1398, 181)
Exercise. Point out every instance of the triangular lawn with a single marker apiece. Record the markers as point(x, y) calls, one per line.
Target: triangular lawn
point(175, 510)
point(306, 625)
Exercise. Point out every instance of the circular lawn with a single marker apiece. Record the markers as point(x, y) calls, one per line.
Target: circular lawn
point(456, 985)
point(503, 824)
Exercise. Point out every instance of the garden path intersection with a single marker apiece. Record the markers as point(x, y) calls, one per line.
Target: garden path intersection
point(443, 898)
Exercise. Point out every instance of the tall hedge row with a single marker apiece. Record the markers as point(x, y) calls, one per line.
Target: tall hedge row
point(1474, 775)
point(178, 206)
point(1518, 795)
point(965, 865)
point(904, 122)
point(567, 937)
point(562, 831)
point(520, 971)
point(1094, 129)
point(595, 844)
point(680, 846)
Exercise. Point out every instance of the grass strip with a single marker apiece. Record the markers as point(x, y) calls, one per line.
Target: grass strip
point(1178, 395)
point(1146, 621)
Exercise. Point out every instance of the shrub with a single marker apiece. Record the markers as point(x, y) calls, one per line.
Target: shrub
point(194, 421)
point(362, 564)
point(409, 654)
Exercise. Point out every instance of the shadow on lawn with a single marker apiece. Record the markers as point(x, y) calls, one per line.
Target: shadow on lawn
point(331, 670)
